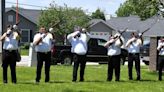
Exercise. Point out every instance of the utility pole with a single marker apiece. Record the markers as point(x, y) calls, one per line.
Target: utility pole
point(2, 24)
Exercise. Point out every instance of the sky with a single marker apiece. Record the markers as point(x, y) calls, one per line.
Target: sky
point(109, 7)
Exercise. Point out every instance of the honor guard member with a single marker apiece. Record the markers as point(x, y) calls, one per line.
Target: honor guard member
point(160, 48)
point(133, 46)
point(10, 46)
point(43, 43)
point(79, 40)
point(114, 50)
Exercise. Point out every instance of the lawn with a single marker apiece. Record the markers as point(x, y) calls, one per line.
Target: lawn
point(95, 81)
point(24, 52)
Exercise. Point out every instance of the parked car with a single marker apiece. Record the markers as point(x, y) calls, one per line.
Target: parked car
point(144, 53)
point(96, 52)
point(144, 50)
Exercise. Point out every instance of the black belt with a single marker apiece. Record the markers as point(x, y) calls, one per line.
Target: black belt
point(133, 53)
point(43, 52)
point(10, 50)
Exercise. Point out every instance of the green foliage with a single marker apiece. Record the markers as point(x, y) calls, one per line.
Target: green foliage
point(98, 14)
point(26, 45)
point(62, 19)
point(24, 52)
point(143, 8)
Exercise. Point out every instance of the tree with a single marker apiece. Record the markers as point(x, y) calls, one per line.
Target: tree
point(98, 14)
point(62, 19)
point(143, 8)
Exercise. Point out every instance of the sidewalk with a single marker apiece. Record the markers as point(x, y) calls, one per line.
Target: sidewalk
point(24, 61)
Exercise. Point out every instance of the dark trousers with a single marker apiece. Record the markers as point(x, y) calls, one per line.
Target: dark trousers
point(136, 58)
point(160, 66)
point(41, 57)
point(8, 59)
point(113, 64)
point(79, 60)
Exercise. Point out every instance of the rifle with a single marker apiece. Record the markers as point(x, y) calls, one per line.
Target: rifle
point(145, 31)
point(87, 27)
point(121, 33)
point(114, 38)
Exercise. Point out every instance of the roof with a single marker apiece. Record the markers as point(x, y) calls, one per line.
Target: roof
point(30, 14)
point(134, 23)
point(123, 22)
point(93, 22)
point(157, 29)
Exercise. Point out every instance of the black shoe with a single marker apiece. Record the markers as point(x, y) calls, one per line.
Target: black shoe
point(46, 81)
point(117, 80)
point(138, 78)
point(73, 80)
point(14, 82)
point(5, 81)
point(160, 79)
point(130, 78)
point(109, 80)
point(81, 80)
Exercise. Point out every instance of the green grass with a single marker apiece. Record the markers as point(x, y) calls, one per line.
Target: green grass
point(95, 81)
point(25, 52)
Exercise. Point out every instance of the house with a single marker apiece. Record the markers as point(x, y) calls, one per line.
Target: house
point(28, 22)
point(100, 29)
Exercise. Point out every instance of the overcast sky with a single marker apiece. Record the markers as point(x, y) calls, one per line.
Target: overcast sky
point(108, 6)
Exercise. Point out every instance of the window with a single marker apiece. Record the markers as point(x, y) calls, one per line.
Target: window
point(25, 37)
point(101, 42)
point(10, 18)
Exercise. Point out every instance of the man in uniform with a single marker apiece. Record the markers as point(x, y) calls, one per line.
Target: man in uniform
point(133, 46)
point(43, 43)
point(160, 48)
point(114, 50)
point(10, 46)
point(78, 40)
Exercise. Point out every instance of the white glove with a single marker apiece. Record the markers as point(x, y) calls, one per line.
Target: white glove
point(139, 34)
point(15, 27)
point(51, 29)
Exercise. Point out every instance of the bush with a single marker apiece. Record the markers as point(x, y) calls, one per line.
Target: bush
point(26, 45)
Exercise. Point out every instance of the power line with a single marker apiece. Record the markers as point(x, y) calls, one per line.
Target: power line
point(22, 4)
point(27, 5)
